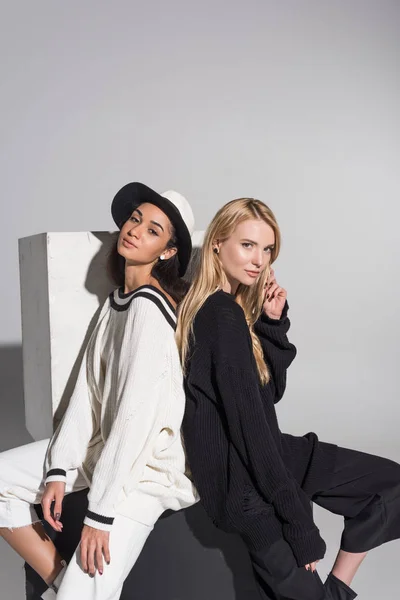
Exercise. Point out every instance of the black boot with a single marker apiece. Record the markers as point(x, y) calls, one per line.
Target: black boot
point(337, 589)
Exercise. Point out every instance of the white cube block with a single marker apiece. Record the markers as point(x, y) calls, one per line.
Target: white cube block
point(63, 285)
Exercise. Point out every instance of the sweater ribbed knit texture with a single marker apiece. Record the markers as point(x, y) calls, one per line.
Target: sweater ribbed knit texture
point(122, 425)
point(238, 456)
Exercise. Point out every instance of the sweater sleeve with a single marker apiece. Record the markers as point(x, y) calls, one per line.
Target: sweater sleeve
point(278, 351)
point(139, 384)
point(69, 444)
point(250, 432)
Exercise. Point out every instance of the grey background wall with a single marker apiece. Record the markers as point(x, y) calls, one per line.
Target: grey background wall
point(293, 102)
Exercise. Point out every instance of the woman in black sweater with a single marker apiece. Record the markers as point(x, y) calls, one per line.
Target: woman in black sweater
point(252, 478)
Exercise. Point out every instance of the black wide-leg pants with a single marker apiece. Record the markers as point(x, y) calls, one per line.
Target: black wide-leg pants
point(365, 490)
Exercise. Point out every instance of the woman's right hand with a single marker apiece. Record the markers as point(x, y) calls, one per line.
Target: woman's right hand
point(312, 566)
point(54, 492)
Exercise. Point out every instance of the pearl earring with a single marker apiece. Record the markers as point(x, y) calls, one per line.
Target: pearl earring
point(162, 257)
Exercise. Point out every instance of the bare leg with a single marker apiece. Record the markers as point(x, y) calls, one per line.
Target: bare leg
point(347, 564)
point(36, 548)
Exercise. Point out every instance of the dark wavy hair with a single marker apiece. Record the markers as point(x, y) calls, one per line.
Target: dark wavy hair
point(165, 271)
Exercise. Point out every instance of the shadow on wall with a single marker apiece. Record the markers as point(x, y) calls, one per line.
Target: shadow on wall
point(12, 424)
point(99, 284)
point(186, 557)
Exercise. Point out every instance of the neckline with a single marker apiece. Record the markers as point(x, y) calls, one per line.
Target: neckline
point(228, 294)
point(148, 286)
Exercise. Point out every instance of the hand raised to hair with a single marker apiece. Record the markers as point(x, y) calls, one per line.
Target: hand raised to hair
point(275, 298)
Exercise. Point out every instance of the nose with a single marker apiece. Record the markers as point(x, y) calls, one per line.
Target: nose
point(257, 258)
point(135, 230)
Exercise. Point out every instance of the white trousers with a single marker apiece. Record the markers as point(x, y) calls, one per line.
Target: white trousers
point(21, 486)
point(127, 539)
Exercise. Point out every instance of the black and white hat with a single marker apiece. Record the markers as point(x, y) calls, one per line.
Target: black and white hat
point(173, 204)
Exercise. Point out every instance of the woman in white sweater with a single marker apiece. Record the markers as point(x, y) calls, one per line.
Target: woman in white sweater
point(120, 436)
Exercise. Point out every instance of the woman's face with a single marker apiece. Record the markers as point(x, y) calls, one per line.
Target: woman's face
point(247, 252)
point(145, 235)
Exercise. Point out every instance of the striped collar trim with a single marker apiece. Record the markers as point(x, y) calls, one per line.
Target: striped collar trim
point(120, 301)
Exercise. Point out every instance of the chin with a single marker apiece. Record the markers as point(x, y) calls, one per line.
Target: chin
point(124, 252)
point(129, 254)
point(248, 281)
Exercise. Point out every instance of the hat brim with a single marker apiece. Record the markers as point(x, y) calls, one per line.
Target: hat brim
point(134, 194)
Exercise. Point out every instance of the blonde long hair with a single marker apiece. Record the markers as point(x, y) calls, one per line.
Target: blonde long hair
point(210, 276)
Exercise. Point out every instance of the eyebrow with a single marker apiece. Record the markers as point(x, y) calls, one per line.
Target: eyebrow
point(154, 222)
point(255, 243)
point(158, 225)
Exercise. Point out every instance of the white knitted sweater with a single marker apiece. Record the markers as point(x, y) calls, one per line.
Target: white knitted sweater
point(122, 425)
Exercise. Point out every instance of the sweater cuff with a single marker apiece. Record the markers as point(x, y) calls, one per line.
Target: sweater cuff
point(307, 549)
point(56, 475)
point(268, 321)
point(97, 521)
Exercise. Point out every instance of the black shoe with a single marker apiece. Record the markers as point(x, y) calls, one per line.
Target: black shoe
point(337, 589)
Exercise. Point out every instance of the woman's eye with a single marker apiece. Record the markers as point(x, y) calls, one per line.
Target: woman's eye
point(153, 232)
point(247, 245)
point(268, 250)
point(134, 219)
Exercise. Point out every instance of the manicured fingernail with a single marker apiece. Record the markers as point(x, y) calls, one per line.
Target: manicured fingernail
point(101, 572)
point(58, 515)
point(108, 562)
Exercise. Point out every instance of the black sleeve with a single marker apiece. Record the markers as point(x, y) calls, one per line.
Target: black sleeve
point(250, 433)
point(278, 351)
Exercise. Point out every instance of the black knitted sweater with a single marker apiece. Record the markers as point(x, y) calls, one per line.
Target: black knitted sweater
point(246, 471)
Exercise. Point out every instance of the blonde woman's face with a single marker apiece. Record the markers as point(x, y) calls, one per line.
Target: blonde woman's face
point(247, 252)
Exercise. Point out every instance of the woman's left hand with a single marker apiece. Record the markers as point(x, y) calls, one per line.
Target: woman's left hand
point(94, 546)
point(275, 298)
